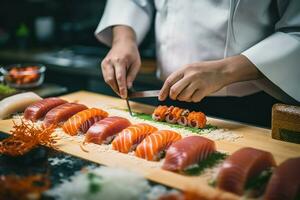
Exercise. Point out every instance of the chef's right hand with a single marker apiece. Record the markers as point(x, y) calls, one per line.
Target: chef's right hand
point(122, 63)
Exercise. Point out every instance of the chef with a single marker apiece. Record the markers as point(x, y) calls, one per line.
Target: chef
point(206, 47)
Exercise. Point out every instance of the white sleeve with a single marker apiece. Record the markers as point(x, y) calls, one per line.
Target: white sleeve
point(136, 14)
point(278, 56)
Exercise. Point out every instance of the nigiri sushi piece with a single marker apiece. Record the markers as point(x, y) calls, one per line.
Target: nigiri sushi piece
point(182, 120)
point(39, 109)
point(155, 144)
point(105, 130)
point(62, 113)
point(159, 113)
point(173, 115)
point(196, 119)
point(80, 121)
point(17, 103)
point(129, 138)
point(285, 181)
point(188, 151)
point(242, 165)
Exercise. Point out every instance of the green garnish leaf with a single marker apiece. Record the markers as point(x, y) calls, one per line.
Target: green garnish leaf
point(95, 182)
point(6, 90)
point(211, 161)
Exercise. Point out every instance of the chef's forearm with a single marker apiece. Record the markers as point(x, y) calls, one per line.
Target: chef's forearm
point(240, 68)
point(123, 33)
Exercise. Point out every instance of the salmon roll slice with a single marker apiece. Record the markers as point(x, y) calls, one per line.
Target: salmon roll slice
point(173, 116)
point(129, 138)
point(188, 151)
point(159, 113)
point(241, 166)
point(196, 119)
point(39, 109)
point(79, 122)
point(104, 131)
point(285, 181)
point(182, 120)
point(152, 147)
point(62, 113)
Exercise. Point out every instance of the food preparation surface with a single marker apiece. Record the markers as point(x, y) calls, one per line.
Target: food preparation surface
point(250, 136)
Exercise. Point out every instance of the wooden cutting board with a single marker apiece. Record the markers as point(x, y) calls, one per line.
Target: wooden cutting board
point(251, 136)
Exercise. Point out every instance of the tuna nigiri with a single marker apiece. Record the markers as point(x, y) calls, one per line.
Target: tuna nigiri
point(285, 181)
point(242, 165)
point(17, 103)
point(156, 143)
point(39, 109)
point(196, 119)
point(159, 113)
point(105, 130)
point(130, 137)
point(188, 151)
point(62, 113)
point(83, 119)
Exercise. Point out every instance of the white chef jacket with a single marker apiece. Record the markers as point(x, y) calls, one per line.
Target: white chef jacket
point(267, 32)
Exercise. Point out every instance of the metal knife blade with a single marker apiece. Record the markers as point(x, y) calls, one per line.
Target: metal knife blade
point(139, 94)
point(128, 106)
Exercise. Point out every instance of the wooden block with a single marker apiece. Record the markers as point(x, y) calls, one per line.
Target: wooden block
point(286, 123)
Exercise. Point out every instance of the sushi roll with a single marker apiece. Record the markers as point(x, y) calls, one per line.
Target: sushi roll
point(173, 115)
point(188, 151)
point(154, 145)
point(81, 121)
point(104, 131)
point(62, 113)
point(285, 181)
point(182, 120)
point(129, 138)
point(17, 103)
point(196, 119)
point(241, 166)
point(159, 113)
point(39, 109)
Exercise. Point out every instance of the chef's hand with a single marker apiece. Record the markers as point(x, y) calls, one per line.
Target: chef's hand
point(122, 63)
point(195, 81)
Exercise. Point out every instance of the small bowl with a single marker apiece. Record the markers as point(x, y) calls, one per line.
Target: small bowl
point(23, 76)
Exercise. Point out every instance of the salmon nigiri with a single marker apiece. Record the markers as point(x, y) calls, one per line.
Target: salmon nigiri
point(156, 143)
point(285, 181)
point(105, 130)
point(62, 113)
point(130, 137)
point(188, 151)
point(242, 165)
point(82, 119)
point(39, 109)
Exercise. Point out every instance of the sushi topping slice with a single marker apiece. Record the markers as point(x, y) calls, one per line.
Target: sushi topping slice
point(241, 166)
point(180, 116)
point(153, 146)
point(39, 109)
point(104, 131)
point(187, 152)
point(62, 113)
point(129, 138)
point(81, 121)
point(285, 181)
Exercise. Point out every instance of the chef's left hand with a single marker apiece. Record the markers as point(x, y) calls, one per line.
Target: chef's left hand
point(195, 81)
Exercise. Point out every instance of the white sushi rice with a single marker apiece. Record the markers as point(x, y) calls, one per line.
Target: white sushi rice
point(115, 184)
point(218, 134)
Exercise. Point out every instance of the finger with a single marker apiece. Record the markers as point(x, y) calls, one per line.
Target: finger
point(108, 73)
point(132, 72)
point(187, 93)
point(197, 96)
point(165, 90)
point(120, 72)
point(178, 87)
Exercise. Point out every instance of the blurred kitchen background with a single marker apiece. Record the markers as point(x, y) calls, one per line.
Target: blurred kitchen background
point(60, 35)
